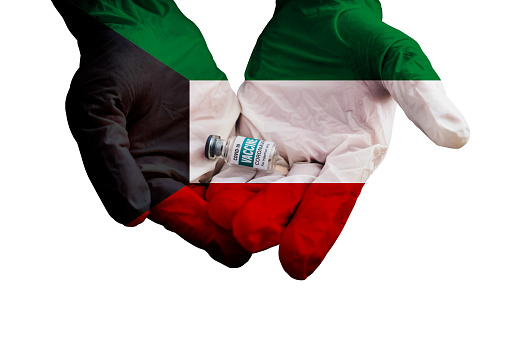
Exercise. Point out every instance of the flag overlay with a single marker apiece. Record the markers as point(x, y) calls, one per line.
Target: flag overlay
point(323, 82)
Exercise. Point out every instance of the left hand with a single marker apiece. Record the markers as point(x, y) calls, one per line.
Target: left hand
point(137, 116)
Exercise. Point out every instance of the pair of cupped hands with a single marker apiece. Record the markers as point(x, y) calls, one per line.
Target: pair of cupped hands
point(323, 82)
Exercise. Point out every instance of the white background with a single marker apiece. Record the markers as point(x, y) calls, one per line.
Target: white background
point(422, 257)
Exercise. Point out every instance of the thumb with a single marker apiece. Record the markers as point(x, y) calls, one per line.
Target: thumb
point(427, 106)
point(409, 77)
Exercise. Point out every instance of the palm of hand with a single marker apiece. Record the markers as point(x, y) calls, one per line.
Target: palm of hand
point(321, 83)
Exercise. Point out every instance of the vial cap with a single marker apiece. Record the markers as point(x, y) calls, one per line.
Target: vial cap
point(209, 150)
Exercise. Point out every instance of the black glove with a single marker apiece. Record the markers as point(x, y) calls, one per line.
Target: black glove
point(130, 115)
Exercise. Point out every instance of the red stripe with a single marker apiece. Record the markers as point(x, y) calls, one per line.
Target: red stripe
point(305, 220)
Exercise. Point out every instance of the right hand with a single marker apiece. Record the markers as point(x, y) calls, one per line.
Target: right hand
point(323, 82)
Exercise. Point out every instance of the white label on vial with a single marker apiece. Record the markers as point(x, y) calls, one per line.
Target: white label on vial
point(252, 153)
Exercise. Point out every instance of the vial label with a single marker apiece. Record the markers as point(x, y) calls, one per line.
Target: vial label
point(251, 152)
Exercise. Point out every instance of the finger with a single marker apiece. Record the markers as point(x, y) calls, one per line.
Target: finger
point(318, 221)
point(224, 249)
point(225, 200)
point(138, 220)
point(228, 192)
point(234, 186)
point(185, 213)
point(129, 115)
point(127, 131)
point(386, 54)
point(427, 106)
point(96, 113)
point(260, 222)
point(199, 189)
point(409, 77)
point(96, 117)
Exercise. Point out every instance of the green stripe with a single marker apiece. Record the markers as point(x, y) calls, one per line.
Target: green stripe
point(335, 40)
point(159, 28)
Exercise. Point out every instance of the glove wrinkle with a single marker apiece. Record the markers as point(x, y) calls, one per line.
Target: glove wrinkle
point(428, 107)
point(129, 110)
point(316, 225)
point(185, 213)
point(321, 84)
point(119, 135)
point(260, 222)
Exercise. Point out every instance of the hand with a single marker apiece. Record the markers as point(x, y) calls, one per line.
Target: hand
point(323, 82)
point(130, 107)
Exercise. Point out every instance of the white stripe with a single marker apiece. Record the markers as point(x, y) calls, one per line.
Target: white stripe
point(327, 131)
point(214, 110)
point(346, 125)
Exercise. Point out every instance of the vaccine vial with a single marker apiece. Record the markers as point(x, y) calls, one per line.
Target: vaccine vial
point(243, 151)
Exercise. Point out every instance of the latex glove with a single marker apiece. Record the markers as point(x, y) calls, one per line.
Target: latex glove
point(137, 117)
point(323, 82)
